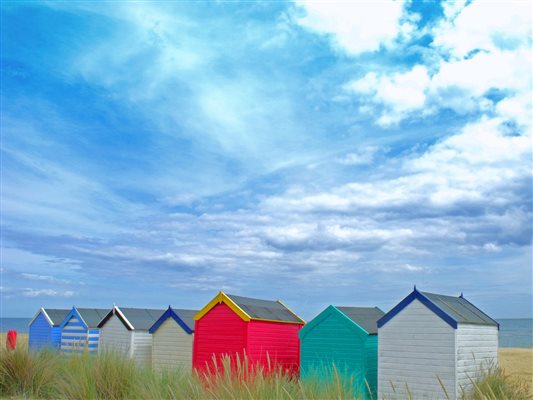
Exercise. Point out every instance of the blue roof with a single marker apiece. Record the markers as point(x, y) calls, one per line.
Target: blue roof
point(184, 318)
point(452, 310)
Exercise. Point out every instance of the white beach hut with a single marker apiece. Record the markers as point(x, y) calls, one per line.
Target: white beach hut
point(172, 339)
point(433, 346)
point(125, 330)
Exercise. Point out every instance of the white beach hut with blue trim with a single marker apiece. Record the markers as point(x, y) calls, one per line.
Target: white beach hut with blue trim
point(125, 330)
point(433, 346)
point(79, 330)
point(172, 339)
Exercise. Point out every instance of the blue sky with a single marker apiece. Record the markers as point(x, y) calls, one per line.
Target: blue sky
point(317, 152)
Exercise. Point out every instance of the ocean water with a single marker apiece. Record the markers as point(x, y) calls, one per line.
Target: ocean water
point(513, 332)
point(18, 324)
point(516, 332)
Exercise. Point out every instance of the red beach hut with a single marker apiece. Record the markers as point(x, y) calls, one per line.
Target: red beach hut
point(264, 331)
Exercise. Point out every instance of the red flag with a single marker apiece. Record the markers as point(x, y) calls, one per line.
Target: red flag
point(11, 340)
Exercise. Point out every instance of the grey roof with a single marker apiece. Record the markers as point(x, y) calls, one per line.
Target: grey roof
point(460, 309)
point(92, 316)
point(264, 309)
point(186, 316)
point(56, 315)
point(365, 317)
point(141, 318)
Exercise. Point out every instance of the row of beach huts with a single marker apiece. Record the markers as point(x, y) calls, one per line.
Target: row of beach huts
point(427, 346)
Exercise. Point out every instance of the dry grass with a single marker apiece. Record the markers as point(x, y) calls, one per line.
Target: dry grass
point(50, 375)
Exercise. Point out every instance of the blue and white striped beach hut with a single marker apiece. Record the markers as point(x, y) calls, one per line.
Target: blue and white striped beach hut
point(44, 330)
point(79, 330)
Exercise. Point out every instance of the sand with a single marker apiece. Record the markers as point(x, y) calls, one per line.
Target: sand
point(518, 364)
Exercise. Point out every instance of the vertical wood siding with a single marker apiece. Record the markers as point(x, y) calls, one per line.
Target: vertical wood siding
point(56, 337)
point(40, 333)
point(371, 365)
point(416, 347)
point(171, 347)
point(142, 348)
point(114, 336)
point(219, 332)
point(477, 347)
point(276, 342)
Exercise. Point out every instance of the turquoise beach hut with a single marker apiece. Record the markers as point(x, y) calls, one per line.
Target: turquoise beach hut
point(344, 338)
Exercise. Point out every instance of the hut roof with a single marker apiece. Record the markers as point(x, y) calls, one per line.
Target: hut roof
point(134, 318)
point(365, 317)
point(56, 315)
point(92, 316)
point(453, 310)
point(253, 309)
point(460, 309)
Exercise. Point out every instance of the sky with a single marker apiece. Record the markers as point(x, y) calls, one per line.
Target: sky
point(154, 153)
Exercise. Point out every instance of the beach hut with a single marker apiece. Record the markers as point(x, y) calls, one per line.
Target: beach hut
point(125, 330)
point(44, 330)
point(344, 337)
point(79, 330)
point(234, 326)
point(172, 338)
point(433, 346)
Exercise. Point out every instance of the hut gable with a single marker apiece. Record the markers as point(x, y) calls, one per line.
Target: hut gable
point(184, 318)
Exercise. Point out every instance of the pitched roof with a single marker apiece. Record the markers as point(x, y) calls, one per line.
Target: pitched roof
point(56, 315)
point(365, 317)
point(253, 309)
point(92, 316)
point(452, 310)
point(187, 316)
point(460, 309)
point(184, 318)
point(141, 318)
point(264, 309)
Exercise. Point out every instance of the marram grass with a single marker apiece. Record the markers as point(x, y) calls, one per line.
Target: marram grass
point(50, 375)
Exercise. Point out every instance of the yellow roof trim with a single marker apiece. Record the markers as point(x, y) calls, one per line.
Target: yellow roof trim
point(292, 312)
point(222, 298)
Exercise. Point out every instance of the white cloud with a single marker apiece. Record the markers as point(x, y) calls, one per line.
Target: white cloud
point(28, 292)
point(355, 26)
point(400, 93)
point(363, 156)
point(48, 278)
point(477, 49)
point(484, 25)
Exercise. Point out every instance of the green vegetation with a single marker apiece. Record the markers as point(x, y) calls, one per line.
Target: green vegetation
point(50, 375)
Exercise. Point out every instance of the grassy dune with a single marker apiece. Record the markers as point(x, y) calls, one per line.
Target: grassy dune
point(110, 376)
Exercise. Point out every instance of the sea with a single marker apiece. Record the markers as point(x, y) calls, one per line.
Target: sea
point(517, 332)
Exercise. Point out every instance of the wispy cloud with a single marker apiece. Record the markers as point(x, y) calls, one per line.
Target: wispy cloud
point(173, 150)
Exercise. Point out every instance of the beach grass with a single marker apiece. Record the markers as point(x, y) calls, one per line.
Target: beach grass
point(50, 375)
